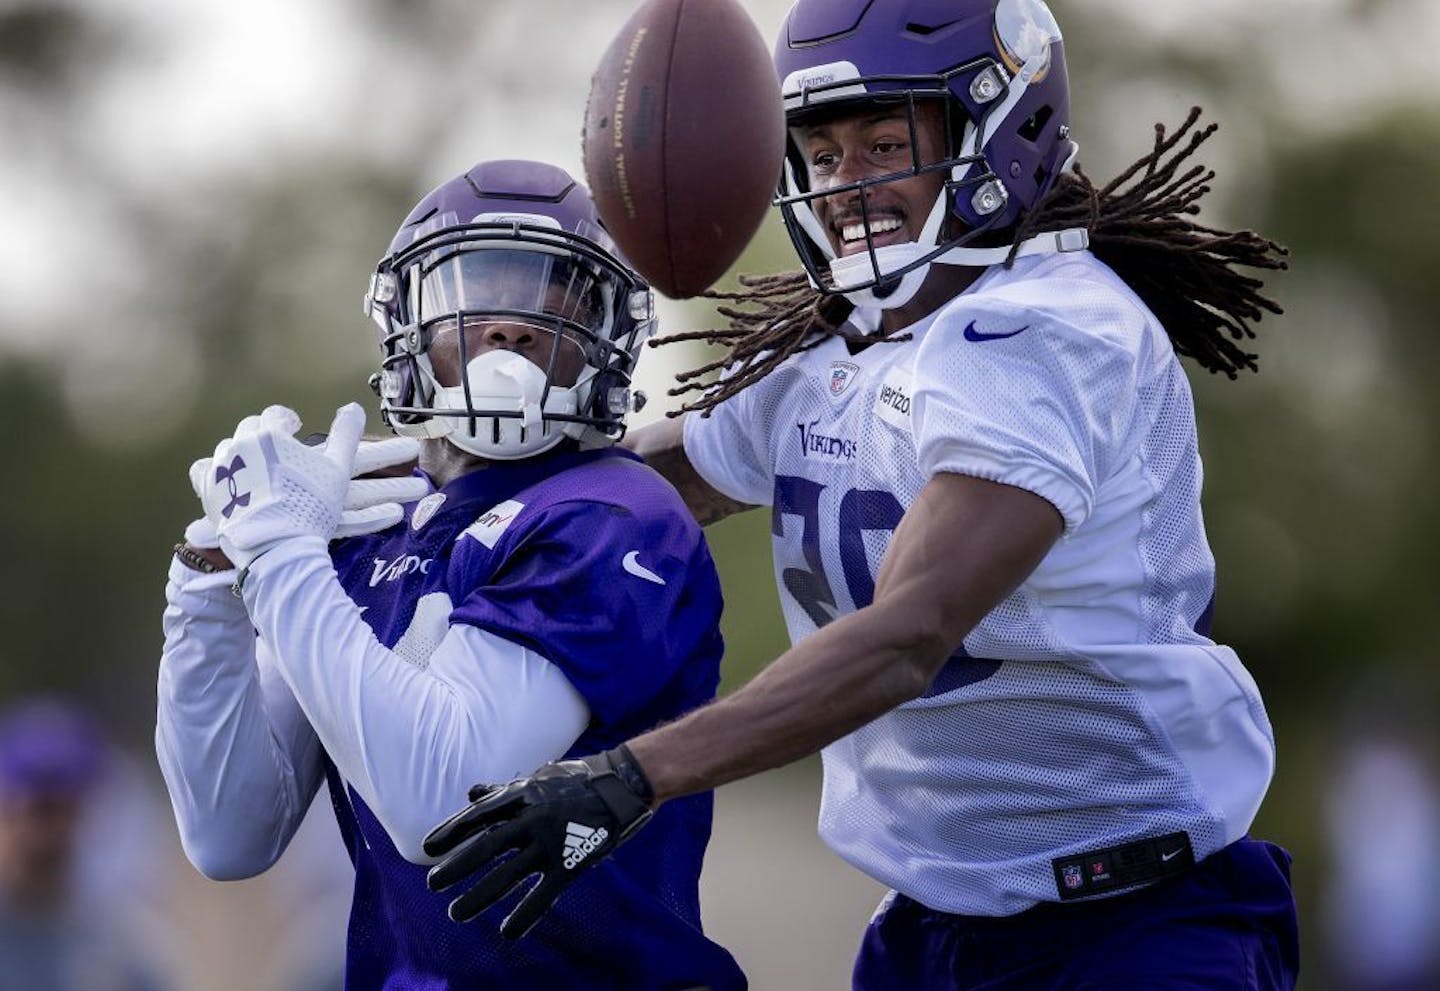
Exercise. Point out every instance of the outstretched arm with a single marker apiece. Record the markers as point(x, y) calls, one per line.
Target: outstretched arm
point(662, 446)
point(963, 546)
point(240, 761)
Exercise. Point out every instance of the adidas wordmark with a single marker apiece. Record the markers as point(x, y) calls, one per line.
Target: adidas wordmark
point(581, 841)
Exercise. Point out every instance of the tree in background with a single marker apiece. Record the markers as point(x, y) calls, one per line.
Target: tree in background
point(190, 298)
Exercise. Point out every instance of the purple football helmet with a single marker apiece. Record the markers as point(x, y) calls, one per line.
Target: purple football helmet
point(998, 69)
point(513, 242)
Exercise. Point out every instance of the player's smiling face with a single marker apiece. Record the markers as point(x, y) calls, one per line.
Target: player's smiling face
point(873, 142)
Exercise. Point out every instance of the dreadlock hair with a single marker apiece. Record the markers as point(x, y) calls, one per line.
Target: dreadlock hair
point(1138, 225)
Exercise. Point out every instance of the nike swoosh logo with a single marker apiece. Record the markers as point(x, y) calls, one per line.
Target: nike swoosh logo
point(971, 334)
point(632, 564)
point(1167, 857)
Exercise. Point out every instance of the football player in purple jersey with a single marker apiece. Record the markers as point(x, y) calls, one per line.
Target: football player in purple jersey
point(969, 419)
point(532, 592)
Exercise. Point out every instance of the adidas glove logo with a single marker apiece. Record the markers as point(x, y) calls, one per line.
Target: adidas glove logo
point(581, 841)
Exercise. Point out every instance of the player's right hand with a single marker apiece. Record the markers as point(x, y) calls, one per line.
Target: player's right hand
point(370, 504)
point(562, 820)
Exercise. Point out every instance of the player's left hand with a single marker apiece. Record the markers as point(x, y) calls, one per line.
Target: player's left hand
point(264, 485)
point(563, 819)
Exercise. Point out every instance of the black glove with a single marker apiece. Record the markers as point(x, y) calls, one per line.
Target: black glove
point(566, 817)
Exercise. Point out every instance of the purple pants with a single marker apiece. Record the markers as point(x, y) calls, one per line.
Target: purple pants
point(1229, 923)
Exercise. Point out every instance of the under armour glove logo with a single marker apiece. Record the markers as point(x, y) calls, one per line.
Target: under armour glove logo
point(561, 821)
point(227, 476)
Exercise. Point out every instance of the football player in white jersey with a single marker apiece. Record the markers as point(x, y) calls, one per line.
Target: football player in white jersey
point(968, 417)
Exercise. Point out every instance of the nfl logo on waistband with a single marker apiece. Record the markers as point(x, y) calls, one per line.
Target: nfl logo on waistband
point(841, 372)
point(1071, 876)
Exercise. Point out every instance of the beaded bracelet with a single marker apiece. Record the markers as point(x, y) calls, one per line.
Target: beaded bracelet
point(193, 559)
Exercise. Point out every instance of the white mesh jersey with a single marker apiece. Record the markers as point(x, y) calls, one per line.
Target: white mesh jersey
point(1085, 711)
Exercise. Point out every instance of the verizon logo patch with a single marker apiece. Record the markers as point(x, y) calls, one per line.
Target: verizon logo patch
point(894, 400)
point(488, 528)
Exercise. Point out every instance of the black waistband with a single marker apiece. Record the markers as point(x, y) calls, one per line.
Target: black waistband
point(1116, 868)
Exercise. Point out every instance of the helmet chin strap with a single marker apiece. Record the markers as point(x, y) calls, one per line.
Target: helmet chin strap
point(868, 306)
point(858, 269)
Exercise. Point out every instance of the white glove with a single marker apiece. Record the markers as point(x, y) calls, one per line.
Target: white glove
point(374, 504)
point(201, 533)
point(264, 486)
point(371, 504)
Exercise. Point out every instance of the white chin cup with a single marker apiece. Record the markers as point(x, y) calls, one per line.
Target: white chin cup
point(503, 381)
point(857, 270)
point(856, 276)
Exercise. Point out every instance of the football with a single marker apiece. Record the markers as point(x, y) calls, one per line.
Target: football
point(683, 140)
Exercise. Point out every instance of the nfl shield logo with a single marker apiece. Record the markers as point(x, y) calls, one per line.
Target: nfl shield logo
point(425, 509)
point(1071, 876)
point(841, 372)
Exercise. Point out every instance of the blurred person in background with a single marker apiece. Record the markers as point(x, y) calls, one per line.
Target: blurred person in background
point(540, 593)
point(970, 421)
point(54, 764)
point(1381, 814)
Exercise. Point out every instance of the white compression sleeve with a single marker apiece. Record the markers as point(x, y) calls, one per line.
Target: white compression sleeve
point(241, 764)
point(409, 739)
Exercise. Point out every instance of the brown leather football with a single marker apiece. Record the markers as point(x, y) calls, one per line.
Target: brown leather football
point(684, 138)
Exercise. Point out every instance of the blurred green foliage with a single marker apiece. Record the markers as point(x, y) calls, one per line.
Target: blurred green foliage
point(1320, 470)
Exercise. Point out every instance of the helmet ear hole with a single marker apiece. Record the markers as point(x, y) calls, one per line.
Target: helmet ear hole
point(1034, 126)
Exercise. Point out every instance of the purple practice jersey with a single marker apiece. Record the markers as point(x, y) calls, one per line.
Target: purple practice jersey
point(591, 560)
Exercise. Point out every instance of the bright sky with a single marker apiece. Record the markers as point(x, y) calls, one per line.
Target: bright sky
point(211, 104)
point(219, 87)
point(213, 90)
